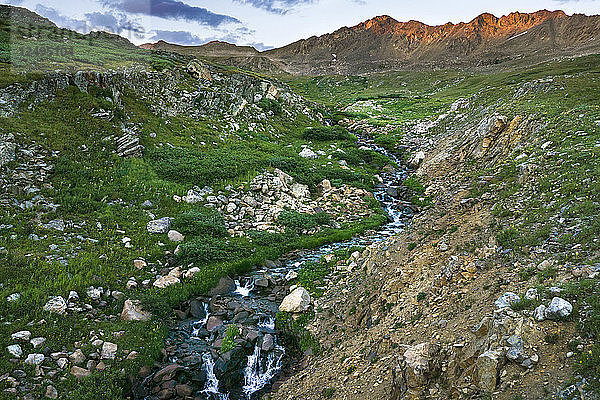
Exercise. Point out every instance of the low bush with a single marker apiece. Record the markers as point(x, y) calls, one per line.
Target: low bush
point(299, 222)
point(204, 250)
point(327, 133)
point(204, 222)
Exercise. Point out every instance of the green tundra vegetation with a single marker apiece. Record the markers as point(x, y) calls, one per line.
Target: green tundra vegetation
point(103, 193)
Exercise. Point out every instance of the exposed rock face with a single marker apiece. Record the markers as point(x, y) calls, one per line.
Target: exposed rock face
point(382, 43)
point(7, 149)
point(488, 365)
point(416, 370)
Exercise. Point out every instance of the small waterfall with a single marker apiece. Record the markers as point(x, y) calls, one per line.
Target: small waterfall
point(212, 383)
point(201, 323)
point(244, 290)
point(267, 323)
point(259, 373)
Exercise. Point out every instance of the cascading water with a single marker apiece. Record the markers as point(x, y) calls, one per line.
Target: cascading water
point(201, 323)
point(212, 383)
point(245, 289)
point(256, 371)
point(260, 371)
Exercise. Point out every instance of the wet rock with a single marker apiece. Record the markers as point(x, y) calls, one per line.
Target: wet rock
point(197, 309)
point(226, 285)
point(558, 308)
point(261, 282)
point(213, 323)
point(291, 275)
point(296, 302)
point(132, 311)
point(161, 225)
point(56, 305)
point(166, 373)
point(268, 343)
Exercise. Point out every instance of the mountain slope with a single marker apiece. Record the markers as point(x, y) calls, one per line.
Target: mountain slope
point(384, 43)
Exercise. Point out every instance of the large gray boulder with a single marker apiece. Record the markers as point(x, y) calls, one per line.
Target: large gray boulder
point(296, 302)
point(558, 308)
point(161, 225)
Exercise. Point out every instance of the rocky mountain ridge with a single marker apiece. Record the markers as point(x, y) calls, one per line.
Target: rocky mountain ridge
point(383, 43)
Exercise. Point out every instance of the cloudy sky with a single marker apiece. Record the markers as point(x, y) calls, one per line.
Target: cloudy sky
point(265, 23)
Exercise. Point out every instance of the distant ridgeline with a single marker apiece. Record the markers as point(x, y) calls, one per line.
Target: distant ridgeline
point(31, 43)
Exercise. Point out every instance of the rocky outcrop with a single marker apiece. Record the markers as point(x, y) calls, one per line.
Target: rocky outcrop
point(272, 192)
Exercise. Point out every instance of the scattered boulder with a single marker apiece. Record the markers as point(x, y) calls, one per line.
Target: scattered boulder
point(175, 236)
point(140, 264)
point(558, 308)
point(161, 225)
point(37, 342)
point(132, 311)
point(296, 302)
point(109, 351)
point(79, 372)
point(15, 350)
point(77, 357)
point(35, 359)
point(56, 305)
point(165, 281)
point(189, 274)
point(51, 392)
point(21, 336)
point(540, 313)
point(308, 153)
point(506, 300)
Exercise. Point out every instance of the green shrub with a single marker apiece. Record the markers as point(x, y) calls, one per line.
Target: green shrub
point(203, 250)
point(327, 133)
point(301, 221)
point(205, 222)
point(231, 334)
point(271, 105)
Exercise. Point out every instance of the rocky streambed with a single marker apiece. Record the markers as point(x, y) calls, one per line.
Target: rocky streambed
point(226, 345)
